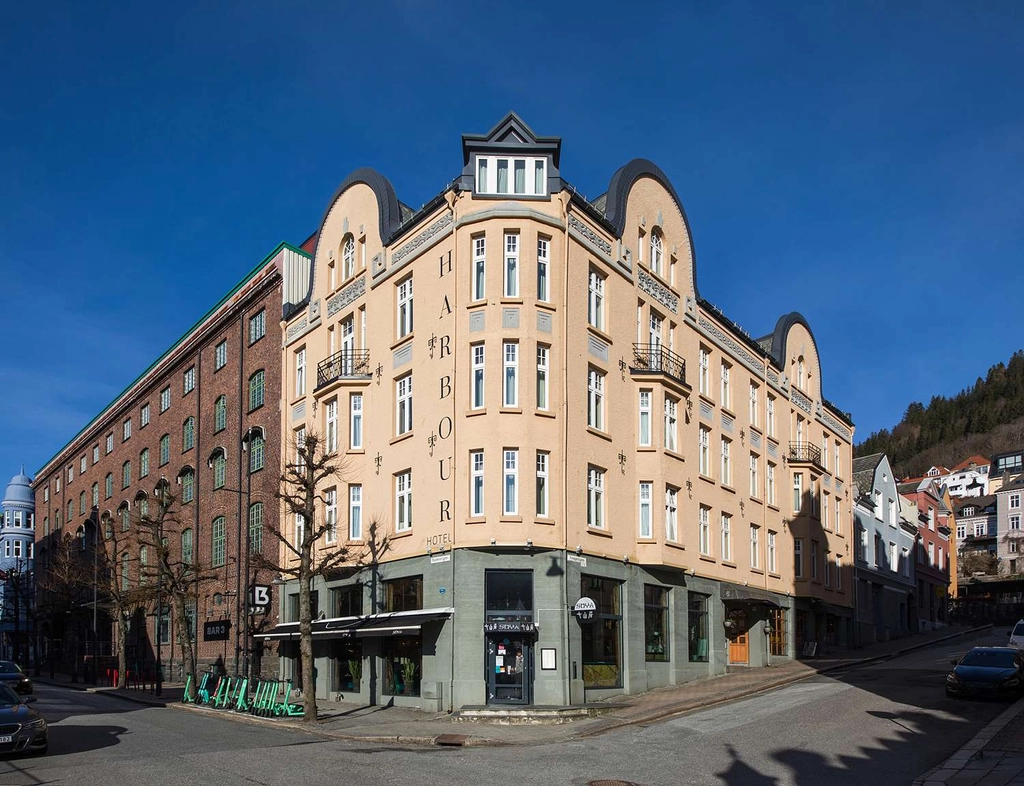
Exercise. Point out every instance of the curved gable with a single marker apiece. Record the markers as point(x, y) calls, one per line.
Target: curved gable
point(780, 343)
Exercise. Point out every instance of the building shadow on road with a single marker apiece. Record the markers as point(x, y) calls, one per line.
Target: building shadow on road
point(66, 739)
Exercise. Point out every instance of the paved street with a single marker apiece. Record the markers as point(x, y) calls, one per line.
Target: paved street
point(884, 724)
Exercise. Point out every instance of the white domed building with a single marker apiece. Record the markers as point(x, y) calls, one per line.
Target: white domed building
point(17, 538)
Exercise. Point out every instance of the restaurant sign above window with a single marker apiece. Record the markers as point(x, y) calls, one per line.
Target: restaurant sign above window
point(511, 626)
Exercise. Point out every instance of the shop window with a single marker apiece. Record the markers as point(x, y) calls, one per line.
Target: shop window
point(509, 595)
point(347, 601)
point(346, 665)
point(403, 665)
point(405, 594)
point(293, 606)
point(602, 639)
point(697, 628)
point(655, 623)
point(777, 639)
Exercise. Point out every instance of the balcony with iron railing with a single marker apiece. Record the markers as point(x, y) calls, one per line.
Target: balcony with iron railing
point(805, 453)
point(345, 363)
point(657, 359)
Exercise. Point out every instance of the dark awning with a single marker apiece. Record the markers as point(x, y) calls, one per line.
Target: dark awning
point(736, 594)
point(384, 624)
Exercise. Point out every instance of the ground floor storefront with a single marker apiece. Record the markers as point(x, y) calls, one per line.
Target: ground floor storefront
point(476, 627)
point(885, 610)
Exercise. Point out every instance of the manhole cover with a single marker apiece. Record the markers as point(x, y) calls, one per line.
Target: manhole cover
point(612, 783)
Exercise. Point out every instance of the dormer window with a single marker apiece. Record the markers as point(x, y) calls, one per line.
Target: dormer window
point(512, 176)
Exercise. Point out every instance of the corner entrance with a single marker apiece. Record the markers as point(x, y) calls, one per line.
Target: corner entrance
point(509, 669)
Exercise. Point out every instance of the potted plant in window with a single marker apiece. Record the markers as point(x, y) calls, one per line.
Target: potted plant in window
point(409, 678)
point(355, 670)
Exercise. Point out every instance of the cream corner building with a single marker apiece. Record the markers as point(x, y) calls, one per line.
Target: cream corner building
point(535, 404)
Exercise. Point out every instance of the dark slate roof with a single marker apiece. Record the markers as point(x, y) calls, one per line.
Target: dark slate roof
point(908, 488)
point(864, 471)
point(984, 501)
point(1015, 486)
point(600, 202)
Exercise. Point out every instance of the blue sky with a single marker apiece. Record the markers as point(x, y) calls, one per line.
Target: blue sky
point(858, 162)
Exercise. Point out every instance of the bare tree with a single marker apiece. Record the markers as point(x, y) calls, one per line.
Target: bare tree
point(314, 549)
point(61, 582)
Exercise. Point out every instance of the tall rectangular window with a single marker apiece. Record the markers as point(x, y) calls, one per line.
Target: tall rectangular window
point(704, 530)
point(754, 404)
point(188, 382)
point(839, 572)
point(300, 372)
point(595, 301)
point(477, 395)
point(542, 377)
point(726, 537)
point(331, 515)
point(165, 449)
point(595, 497)
point(543, 510)
point(595, 399)
point(126, 430)
point(798, 558)
point(726, 462)
point(656, 633)
point(479, 267)
point(143, 422)
point(355, 512)
point(476, 483)
point(405, 308)
point(703, 371)
point(671, 422)
point(755, 546)
point(769, 484)
point(331, 426)
point(645, 418)
point(220, 355)
point(798, 492)
point(220, 413)
point(510, 387)
point(824, 451)
point(256, 528)
point(511, 264)
point(814, 560)
point(256, 390)
point(837, 470)
point(218, 541)
point(754, 485)
point(510, 493)
point(109, 449)
point(645, 528)
point(726, 386)
point(839, 518)
point(188, 434)
point(355, 430)
point(403, 401)
point(671, 513)
point(403, 501)
point(770, 416)
point(773, 566)
point(704, 450)
point(543, 263)
point(257, 326)
point(143, 465)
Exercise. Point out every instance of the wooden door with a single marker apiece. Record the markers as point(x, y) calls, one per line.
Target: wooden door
point(739, 650)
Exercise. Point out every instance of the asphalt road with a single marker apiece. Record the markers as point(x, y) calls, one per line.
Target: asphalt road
point(881, 724)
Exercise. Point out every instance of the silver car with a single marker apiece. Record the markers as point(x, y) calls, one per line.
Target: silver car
point(1017, 635)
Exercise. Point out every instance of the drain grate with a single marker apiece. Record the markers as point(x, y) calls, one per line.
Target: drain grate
point(451, 739)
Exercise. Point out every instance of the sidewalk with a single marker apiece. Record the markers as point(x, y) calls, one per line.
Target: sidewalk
point(383, 724)
point(171, 692)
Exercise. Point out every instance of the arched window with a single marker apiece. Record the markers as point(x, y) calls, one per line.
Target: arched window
point(125, 576)
point(187, 553)
point(348, 258)
point(256, 528)
point(126, 474)
point(142, 504)
point(657, 252)
point(256, 390)
point(217, 543)
point(188, 484)
point(165, 449)
point(126, 516)
point(81, 503)
point(188, 434)
point(218, 463)
point(256, 451)
point(144, 463)
point(220, 414)
point(800, 373)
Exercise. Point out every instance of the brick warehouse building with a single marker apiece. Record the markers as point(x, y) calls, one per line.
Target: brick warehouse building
point(183, 421)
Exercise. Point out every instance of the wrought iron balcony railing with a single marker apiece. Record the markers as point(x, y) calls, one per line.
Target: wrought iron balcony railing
point(805, 452)
point(344, 363)
point(655, 358)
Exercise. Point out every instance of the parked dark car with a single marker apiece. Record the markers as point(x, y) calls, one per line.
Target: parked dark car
point(22, 729)
point(987, 671)
point(12, 676)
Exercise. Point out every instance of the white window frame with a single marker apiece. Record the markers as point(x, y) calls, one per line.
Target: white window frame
point(798, 558)
point(143, 422)
point(331, 426)
point(595, 299)
point(355, 421)
point(535, 175)
point(355, 511)
point(403, 405)
point(543, 269)
point(348, 258)
point(1014, 501)
point(510, 482)
point(478, 394)
point(595, 497)
point(476, 484)
point(769, 420)
point(726, 533)
point(188, 381)
point(510, 375)
point(543, 369)
point(510, 266)
point(671, 514)
point(726, 447)
point(657, 252)
point(754, 403)
point(331, 515)
point(403, 501)
point(703, 371)
point(220, 355)
point(798, 491)
point(126, 430)
point(726, 385)
point(404, 309)
point(839, 517)
point(755, 547)
point(300, 372)
point(754, 482)
point(542, 487)
point(595, 398)
point(704, 530)
point(671, 423)
point(773, 564)
point(644, 426)
point(165, 399)
point(704, 450)
point(645, 525)
point(479, 268)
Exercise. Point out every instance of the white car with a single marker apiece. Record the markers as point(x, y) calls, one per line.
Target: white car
point(1017, 635)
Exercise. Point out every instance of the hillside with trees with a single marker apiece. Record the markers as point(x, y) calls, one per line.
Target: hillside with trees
point(984, 419)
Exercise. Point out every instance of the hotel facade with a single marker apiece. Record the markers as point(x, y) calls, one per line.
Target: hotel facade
point(534, 404)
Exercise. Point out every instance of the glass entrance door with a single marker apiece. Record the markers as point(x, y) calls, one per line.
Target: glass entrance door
point(509, 669)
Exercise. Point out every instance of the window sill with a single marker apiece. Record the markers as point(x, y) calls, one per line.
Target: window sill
point(506, 519)
point(708, 558)
point(774, 575)
point(646, 449)
point(405, 533)
point(404, 339)
point(673, 454)
point(476, 520)
point(511, 411)
point(401, 438)
point(545, 413)
point(607, 339)
point(475, 412)
point(672, 544)
point(601, 532)
point(479, 303)
point(706, 398)
point(758, 500)
point(355, 452)
point(727, 487)
point(545, 521)
point(706, 478)
point(772, 506)
point(646, 542)
point(758, 571)
point(601, 434)
point(546, 305)
point(511, 300)
point(727, 564)
point(729, 412)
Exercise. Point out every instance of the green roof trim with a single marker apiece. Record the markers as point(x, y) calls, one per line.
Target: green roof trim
point(249, 277)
